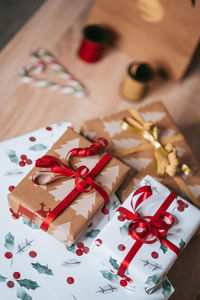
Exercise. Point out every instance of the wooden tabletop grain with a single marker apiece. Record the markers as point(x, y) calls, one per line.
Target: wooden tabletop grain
point(57, 27)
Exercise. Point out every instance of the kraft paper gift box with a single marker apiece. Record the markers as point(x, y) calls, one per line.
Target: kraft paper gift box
point(28, 200)
point(142, 160)
point(149, 262)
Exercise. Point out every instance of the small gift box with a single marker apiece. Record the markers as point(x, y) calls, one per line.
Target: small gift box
point(148, 232)
point(149, 141)
point(62, 198)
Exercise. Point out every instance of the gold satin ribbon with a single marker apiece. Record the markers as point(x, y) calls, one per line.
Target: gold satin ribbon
point(166, 159)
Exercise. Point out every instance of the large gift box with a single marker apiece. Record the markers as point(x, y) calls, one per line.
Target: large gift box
point(132, 138)
point(38, 203)
point(148, 231)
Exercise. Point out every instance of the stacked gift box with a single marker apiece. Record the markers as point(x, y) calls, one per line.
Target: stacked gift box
point(76, 178)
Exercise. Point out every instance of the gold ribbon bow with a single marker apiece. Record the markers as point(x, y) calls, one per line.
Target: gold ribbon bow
point(166, 158)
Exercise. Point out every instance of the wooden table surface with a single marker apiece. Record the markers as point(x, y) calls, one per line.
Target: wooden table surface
point(57, 27)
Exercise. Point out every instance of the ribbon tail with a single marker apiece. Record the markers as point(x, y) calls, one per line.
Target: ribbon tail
point(135, 113)
point(128, 213)
point(160, 161)
point(129, 257)
point(102, 193)
point(146, 193)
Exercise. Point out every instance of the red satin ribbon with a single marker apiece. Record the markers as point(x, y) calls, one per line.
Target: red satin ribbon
point(152, 228)
point(61, 170)
point(96, 147)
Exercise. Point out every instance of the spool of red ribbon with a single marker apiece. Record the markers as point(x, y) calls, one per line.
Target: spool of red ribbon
point(93, 43)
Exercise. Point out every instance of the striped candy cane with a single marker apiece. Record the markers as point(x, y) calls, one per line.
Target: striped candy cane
point(39, 58)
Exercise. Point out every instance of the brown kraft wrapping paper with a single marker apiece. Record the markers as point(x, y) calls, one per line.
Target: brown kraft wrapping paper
point(33, 202)
point(142, 162)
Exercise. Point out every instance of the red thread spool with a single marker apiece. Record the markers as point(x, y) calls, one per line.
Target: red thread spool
point(93, 43)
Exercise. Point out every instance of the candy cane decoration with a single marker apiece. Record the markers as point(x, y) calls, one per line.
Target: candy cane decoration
point(39, 58)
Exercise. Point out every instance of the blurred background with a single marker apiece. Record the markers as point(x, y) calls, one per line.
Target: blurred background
point(13, 15)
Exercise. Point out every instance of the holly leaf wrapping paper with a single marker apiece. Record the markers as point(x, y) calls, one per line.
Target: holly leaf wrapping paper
point(109, 275)
point(72, 248)
point(163, 247)
point(182, 244)
point(28, 284)
point(2, 278)
point(30, 224)
point(21, 294)
point(114, 263)
point(153, 280)
point(166, 288)
point(9, 241)
point(124, 229)
point(42, 269)
point(92, 234)
point(38, 147)
point(12, 156)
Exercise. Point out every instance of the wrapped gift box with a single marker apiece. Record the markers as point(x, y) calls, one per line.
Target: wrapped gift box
point(34, 202)
point(143, 160)
point(47, 272)
point(150, 261)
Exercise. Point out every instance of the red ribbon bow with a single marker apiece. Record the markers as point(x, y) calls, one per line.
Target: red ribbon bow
point(147, 229)
point(83, 176)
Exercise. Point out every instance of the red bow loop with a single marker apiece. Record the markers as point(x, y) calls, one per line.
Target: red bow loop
point(140, 229)
point(82, 172)
point(147, 229)
point(96, 147)
point(56, 169)
point(46, 161)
